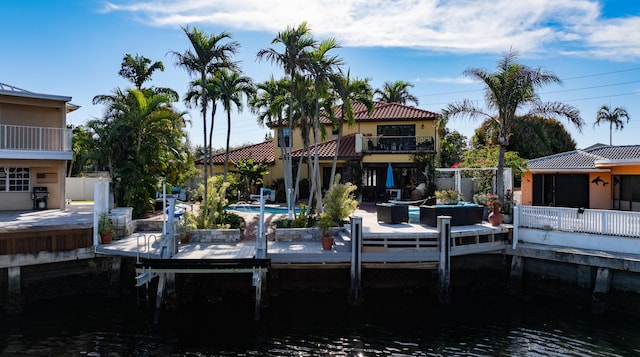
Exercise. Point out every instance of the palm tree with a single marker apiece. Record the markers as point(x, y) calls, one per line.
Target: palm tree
point(232, 86)
point(208, 55)
point(350, 91)
point(613, 117)
point(138, 69)
point(321, 68)
point(139, 135)
point(296, 41)
point(510, 89)
point(193, 96)
point(396, 92)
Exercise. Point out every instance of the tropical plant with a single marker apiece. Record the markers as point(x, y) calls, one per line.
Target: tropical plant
point(138, 140)
point(326, 223)
point(322, 66)
point(510, 89)
point(252, 172)
point(350, 91)
point(614, 118)
point(138, 69)
point(396, 92)
point(531, 137)
point(104, 224)
point(339, 200)
point(208, 55)
point(296, 41)
point(213, 215)
point(232, 86)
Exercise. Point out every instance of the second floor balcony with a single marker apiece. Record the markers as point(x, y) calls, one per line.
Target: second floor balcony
point(398, 144)
point(32, 142)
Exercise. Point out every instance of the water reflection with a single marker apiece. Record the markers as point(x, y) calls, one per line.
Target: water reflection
point(316, 325)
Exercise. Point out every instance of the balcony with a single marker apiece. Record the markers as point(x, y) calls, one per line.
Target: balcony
point(32, 142)
point(397, 144)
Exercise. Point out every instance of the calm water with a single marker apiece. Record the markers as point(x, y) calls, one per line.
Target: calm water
point(300, 325)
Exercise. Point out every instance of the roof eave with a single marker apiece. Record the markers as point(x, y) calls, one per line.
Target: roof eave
point(621, 162)
point(578, 170)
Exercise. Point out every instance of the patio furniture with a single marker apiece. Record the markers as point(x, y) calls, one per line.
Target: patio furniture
point(392, 213)
point(461, 215)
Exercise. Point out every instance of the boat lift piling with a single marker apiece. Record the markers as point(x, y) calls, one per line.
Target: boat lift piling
point(444, 263)
point(355, 293)
point(260, 275)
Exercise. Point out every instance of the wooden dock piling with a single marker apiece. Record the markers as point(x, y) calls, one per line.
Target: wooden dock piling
point(355, 292)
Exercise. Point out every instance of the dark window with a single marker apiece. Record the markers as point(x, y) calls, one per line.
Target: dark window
point(626, 192)
point(568, 190)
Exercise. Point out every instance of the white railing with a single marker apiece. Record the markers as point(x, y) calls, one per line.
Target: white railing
point(36, 138)
point(592, 221)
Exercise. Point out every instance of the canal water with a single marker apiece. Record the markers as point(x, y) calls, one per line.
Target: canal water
point(388, 324)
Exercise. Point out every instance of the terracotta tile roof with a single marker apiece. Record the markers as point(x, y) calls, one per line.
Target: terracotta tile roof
point(263, 151)
point(584, 159)
point(386, 112)
point(327, 149)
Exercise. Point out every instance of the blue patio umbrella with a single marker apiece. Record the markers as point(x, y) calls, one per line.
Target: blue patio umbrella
point(390, 183)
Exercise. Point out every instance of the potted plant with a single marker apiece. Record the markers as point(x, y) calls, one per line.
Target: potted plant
point(325, 223)
point(105, 228)
point(447, 197)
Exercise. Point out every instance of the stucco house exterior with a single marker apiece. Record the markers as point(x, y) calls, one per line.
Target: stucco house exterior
point(391, 135)
point(35, 145)
point(599, 177)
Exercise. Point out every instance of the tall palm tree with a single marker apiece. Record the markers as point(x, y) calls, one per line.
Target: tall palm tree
point(350, 91)
point(396, 92)
point(321, 67)
point(510, 89)
point(296, 41)
point(208, 55)
point(193, 97)
point(613, 117)
point(232, 86)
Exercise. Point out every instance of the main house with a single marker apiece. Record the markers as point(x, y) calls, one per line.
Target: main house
point(35, 145)
point(392, 135)
point(599, 177)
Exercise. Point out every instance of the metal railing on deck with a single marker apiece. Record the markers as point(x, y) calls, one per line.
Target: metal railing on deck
point(18, 137)
point(593, 221)
point(408, 144)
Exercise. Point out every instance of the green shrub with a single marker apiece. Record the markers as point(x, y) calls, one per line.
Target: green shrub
point(339, 201)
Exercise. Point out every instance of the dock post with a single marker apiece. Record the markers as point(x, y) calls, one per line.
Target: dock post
point(355, 293)
point(15, 299)
point(444, 264)
point(515, 287)
point(116, 267)
point(603, 284)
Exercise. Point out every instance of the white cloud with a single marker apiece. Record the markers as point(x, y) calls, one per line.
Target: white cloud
point(465, 26)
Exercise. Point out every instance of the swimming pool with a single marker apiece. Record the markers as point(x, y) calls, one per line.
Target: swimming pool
point(256, 209)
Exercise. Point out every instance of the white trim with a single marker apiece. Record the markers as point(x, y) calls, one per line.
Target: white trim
point(36, 155)
point(621, 162)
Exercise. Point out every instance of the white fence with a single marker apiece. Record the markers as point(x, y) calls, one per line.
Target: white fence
point(578, 220)
point(81, 188)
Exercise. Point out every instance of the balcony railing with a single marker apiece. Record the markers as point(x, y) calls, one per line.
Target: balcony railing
point(398, 144)
point(34, 138)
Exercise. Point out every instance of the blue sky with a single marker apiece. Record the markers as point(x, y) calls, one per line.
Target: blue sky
point(75, 48)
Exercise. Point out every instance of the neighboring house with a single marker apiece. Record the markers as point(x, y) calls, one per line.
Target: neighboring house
point(391, 134)
point(599, 177)
point(35, 145)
